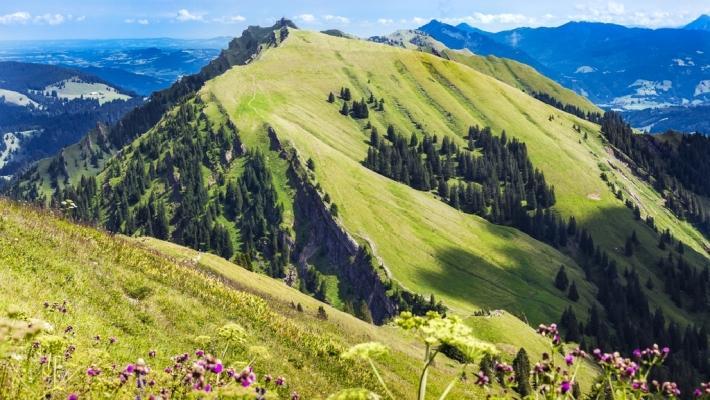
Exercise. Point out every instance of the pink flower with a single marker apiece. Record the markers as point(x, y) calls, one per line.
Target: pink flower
point(217, 368)
point(565, 386)
point(569, 359)
point(73, 396)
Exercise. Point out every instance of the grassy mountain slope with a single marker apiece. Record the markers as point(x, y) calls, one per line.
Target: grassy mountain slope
point(514, 73)
point(428, 246)
point(155, 295)
point(148, 300)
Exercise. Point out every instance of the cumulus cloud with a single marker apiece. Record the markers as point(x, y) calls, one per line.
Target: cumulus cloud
point(20, 17)
point(307, 18)
point(230, 19)
point(337, 18)
point(479, 18)
point(51, 19)
point(385, 21)
point(184, 15)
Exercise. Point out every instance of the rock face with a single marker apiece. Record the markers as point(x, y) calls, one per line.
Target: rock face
point(320, 230)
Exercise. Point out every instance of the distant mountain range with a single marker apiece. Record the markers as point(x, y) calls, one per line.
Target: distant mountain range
point(616, 67)
point(46, 107)
point(139, 65)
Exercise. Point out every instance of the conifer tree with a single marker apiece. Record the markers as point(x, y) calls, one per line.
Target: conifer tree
point(572, 294)
point(331, 97)
point(521, 367)
point(561, 280)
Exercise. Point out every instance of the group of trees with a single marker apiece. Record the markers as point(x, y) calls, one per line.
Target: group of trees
point(358, 109)
point(500, 184)
point(568, 108)
point(676, 164)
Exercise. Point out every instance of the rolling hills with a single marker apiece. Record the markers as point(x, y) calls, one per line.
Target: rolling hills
point(264, 130)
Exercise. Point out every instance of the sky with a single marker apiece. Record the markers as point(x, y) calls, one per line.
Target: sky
point(101, 19)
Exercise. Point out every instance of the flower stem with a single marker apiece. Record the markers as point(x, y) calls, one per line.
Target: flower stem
point(379, 377)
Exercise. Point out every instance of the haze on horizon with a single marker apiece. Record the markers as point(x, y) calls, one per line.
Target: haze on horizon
point(100, 19)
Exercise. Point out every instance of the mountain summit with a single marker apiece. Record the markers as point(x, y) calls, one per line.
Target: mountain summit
point(702, 23)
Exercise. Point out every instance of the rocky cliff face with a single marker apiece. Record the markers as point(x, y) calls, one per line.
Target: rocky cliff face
point(320, 230)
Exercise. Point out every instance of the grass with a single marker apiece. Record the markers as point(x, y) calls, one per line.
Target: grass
point(150, 295)
point(155, 295)
point(428, 246)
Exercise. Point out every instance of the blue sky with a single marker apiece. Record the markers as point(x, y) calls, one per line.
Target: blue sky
point(80, 19)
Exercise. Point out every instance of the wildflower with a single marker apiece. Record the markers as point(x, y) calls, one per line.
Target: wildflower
point(232, 333)
point(112, 340)
point(73, 396)
point(280, 381)
point(43, 360)
point(569, 359)
point(364, 351)
point(295, 396)
point(247, 377)
point(565, 386)
point(482, 379)
point(199, 353)
point(208, 388)
point(69, 329)
point(268, 379)
point(93, 371)
point(152, 354)
point(670, 389)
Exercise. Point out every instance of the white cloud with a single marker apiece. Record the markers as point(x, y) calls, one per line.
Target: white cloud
point(230, 19)
point(80, 18)
point(385, 21)
point(615, 12)
point(20, 17)
point(419, 20)
point(337, 18)
point(143, 21)
point(307, 18)
point(184, 15)
point(51, 19)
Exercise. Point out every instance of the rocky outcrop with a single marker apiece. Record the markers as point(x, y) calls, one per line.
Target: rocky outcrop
point(320, 230)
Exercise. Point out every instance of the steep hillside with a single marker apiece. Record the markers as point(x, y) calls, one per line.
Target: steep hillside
point(143, 295)
point(512, 72)
point(147, 300)
point(264, 165)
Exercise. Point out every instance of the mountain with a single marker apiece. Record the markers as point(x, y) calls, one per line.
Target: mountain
point(382, 179)
point(614, 66)
point(44, 108)
point(702, 23)
point(506, 70)
point(478, 42)
point(683, 119)
point(139, 65)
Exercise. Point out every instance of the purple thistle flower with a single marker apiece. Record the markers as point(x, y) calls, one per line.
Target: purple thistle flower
point(152, 353)
point(208, 388)
point(112, 340)
point(43, 360)
point(129, 368)
point(482, 379)
point(295, 396)
point(199, 353)
point(637, 353)
point(73, 396)
point(280, 381)
point(218, 367)
point(697, 392)
point(566, 386)
point(569, 359)
point(93, 371)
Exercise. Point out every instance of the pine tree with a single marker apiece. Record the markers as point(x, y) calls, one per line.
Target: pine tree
point(331, 98)
point(345, 110)
point(629, 247)
point(561, 280)
point(521, 366)
point(321, 313)
point(572, 294)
